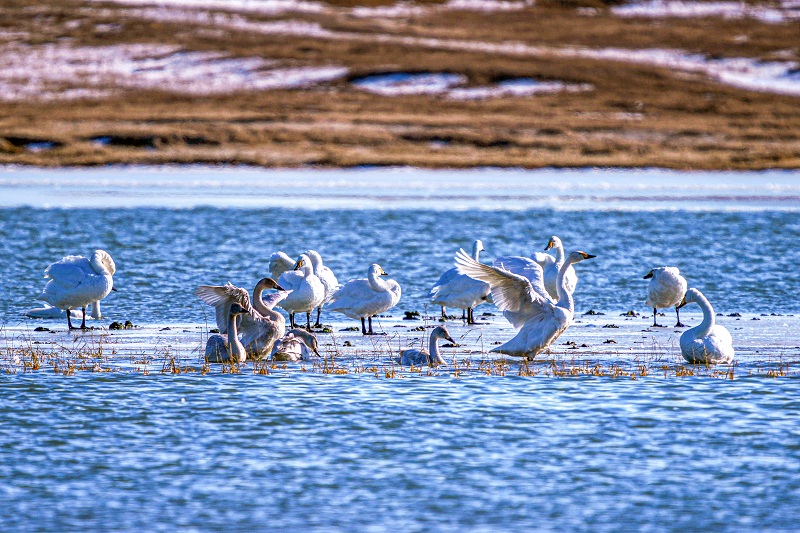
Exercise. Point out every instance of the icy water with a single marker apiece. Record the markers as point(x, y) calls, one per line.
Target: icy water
point(304, 449)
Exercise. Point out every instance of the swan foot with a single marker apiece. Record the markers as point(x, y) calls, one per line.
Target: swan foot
point(680, 325)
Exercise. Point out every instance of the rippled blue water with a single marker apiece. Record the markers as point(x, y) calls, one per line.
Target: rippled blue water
point(310, 451)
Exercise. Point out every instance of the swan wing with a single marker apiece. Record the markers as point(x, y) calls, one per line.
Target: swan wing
point(221, 298)
point(291, 279)
point(70, 271)
point(527, 268)
point(543, 260)
point(444, 279)
point(510, 292)
point(279, 263)
point(271, 300)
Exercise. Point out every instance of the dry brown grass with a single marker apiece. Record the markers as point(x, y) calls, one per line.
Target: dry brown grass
point(637, 115)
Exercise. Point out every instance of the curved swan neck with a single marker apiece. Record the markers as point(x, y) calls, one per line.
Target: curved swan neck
point(258, 304)
point(433, 348)
point(565, 299)
point(98, 265)
point(476, 252)
point(233, 334)
point(708, 322)
point(376, 282)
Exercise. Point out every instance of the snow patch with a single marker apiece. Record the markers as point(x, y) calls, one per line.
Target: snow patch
point(788, 10)
point(257, 6)
point(400, 83)
point(516, 87)
point(62, 72)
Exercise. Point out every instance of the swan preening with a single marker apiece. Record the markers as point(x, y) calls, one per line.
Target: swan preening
point(666, 289)
point(77, 281)
point(297, 345)
point(708, 343)
point(366, 298)
point(459, 290)
point(529, 306)
point(230, 350)
point(431, 357)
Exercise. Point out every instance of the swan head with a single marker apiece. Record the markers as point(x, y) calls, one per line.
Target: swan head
point(440, 332)
point(554, 242)
point(101, 261)
point(578, 256)
point(691, 296)
point(269, 283)
point(376, 270)
point(478, 247)
point(648, 275)
point(307, 338)
point(303, 263)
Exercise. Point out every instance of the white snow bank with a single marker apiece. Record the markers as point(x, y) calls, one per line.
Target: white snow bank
point(402, 83)
point(788, 10)
point(516, 87)
point(64, 72)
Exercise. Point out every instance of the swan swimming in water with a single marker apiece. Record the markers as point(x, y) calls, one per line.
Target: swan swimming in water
point(432, 357)
point(218, 350)
point(460, 291)
point(708, 343)
point(76, 281)
point(326, 276)
point(530, 306)
point(365, 298)
point(666, 289)
point(297, 345)
point(261, 326)
point(307, 291)
point(550, 267)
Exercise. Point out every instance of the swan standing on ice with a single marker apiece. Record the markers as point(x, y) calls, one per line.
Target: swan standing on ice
point(550, 267)
point(307, 291)
point(365, 298)
point(76, 281)
point(261, 326)
point(708, 343)
point(297, 345)
point(432, 356)
point(232, 351)
point(666, 289)
point(460, 291)
point(326, 276)
point(529, 304)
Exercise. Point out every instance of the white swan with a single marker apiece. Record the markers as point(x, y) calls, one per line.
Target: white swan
point(279, 263)
point(708, 343)
point(261, 326)
point(666, 289)
point(307, 291)
point(326, 276)
point(218, 350)
point(542, 319)
point(460, 291)
point(48, 311)
point(365, 298)
point(550, 267)
point(297, 345)
point(432, 357)
point(76, 281)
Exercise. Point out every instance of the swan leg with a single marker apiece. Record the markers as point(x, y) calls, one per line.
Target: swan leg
point(370, 326)
point(308, 321)
point(291, 320)
point(318, 325)
point(69, 322)
point(678, 312)
point(83, 320)
point(470, 316)
point(444, 313)
point(363, 327)
point(464, 315)
point(655, 324)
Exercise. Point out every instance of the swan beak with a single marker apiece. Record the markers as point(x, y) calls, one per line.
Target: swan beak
point(298, 265)
point(279, 288)
point(683, 302)
point(587, 256)
point(114, 289)
point(649, 275)
point(450, 339)
point(549, 245)
point(383, 273)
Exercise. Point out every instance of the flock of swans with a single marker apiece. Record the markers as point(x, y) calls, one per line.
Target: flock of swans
point(535, 294)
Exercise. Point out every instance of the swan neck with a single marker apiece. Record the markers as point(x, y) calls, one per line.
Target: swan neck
point(258, 303)
point(559, 254)
point(377, 284)
point(433, 348)
point(233, 334)
point(476, 253)
point(565, 299)
point(709, 320)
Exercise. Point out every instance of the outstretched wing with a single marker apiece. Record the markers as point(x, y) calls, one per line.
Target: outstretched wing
point(510, 292)
point(527, 268)
point(279, 263)
point(543, 260)
point(221, 299)
point(271, 300)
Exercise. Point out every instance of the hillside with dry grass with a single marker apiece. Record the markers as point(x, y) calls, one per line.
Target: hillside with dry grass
point(298, 83)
